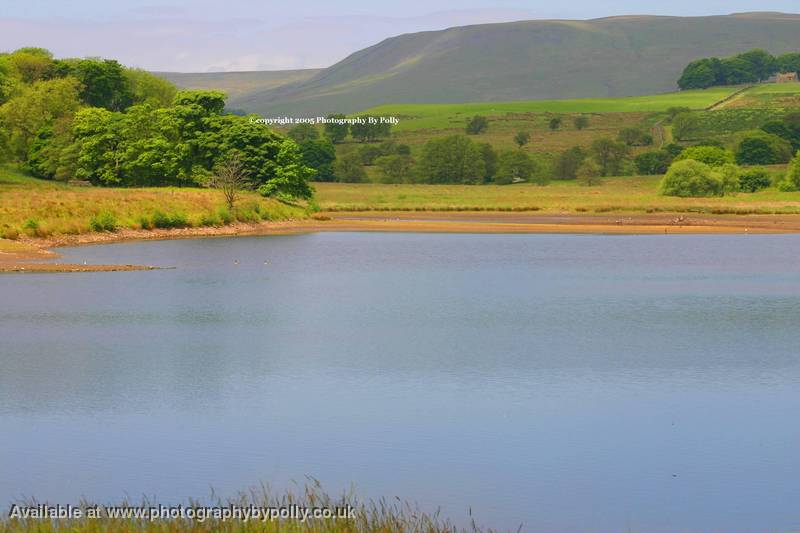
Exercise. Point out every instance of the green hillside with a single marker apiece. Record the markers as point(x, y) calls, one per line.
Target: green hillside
point(618, 56)
point(237, 83)
point(436, 116)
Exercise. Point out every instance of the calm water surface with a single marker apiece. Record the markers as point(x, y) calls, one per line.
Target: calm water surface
point(566, 383)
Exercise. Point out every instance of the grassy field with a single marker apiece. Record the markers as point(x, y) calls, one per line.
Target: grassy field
point(778, 96)
point(42, 208)
point(615, 195)
point(441, 116)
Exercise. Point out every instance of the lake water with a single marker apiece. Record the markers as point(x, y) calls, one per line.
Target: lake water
point(562, 382)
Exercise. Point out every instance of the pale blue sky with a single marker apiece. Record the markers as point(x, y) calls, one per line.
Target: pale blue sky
point(208, 35)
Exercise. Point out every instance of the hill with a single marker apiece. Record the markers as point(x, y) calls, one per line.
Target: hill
point(237, 83)
point(617, 56)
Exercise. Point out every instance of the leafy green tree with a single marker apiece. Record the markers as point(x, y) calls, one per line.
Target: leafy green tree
point(348, 169)
point(690, 178)
point(372, 129)
point(710, 155)
point(610, 155)
point(36, 107)
point(754, 179)
point(515, 166)
point(729, 174)
point(147, 88)
point(30, 64)
point(369, 153)
point(320, 155)
point(522, 138)
point(698, 74)
point(454, 159)
point(590, 173)
point(335, 129)
point(568, 162)
point(207, 102)
point(303, 132)
point(555, 123)
point(395, 168)
point(489, 157)
point(581, 122)
point(653, 162)
point(761, 63)
point(635, 137)
point(789, 62)
point(104, 84)
point(291, 177)
point(477, 125)
point(760, 148)
point(791, 181)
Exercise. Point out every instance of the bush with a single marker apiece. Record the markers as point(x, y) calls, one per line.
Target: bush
point(515, 166)
point(163, 220)
point(368, 154)
point(761, 148)
point(754, 179)
point(712, 156)
point(348, 169)
point(652, 163)
point(691, 179)
point(589, 173)
point(477, 124)
point(635, 137)
point(104, 221)
point(791, 182)
point(730, 178)
point(568, 162)
point(395, 168)
point(32, 228)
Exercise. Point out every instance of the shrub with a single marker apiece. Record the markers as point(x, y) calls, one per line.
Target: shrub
point(791, 182)
point(589, 173)
point(515, 166)
point(730, 178)
point(754, 179)
point(568, 162)
point(104, 221)
point(477, 124)
point(31, 227)
point(712, 156)
point(368, 154)
point(652, 163)
point(210, 219)
point(690, 178)
point(580, 122)
point(761, 148)
point(10, 233)
point(635, 137)
point(163, 220)
point(554, 123)
point(348, 169)
point(395, 168)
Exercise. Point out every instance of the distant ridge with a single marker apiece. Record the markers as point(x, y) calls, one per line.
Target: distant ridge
point(538, 59)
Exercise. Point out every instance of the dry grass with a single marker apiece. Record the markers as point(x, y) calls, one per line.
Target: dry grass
point(625, 195)
point(42, 208)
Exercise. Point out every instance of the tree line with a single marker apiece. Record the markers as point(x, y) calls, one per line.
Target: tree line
point(748, 67)
point(96, 120)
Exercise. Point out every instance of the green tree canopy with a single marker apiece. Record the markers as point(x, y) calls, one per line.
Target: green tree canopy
point(454, 159)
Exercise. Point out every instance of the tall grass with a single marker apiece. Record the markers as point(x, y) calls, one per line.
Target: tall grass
point(383, 516)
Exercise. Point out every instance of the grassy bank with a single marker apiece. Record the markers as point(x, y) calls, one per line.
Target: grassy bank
point(623, 195)
point(40, 208)
point(382, 516)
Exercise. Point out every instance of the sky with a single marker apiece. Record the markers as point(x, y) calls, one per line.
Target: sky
point(234, 35)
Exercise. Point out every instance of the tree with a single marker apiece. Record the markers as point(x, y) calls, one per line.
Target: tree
point(522, 138)
point(713, 156)
point(580, 122)
point(303, 132)
point(291, 177)
point(31, 64)
point(348, 169)
point(789, 62)
point(370, 129)
point(369, 154)
point(454, 159)
point(610, 155)
point(635, 137)
point(761, 63)
point(685, 126)
point(229, 177)
point(395, 168)
point(104, 84)
point(698, 74)
point(760, 148)
point(754, 179)
point(320, 155)
point(489, 157)
point(514, 166)
point(568, 162)
point(791, 181)
point(589, 173)
point(653, 162)
point(476, 125)
point(690, 178)
point(554, 123)
point(35, 108)
point(336, 128)
point(149, 89)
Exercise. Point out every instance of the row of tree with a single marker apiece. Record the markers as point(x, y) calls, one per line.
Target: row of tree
point(748, 67)
point(94, 120)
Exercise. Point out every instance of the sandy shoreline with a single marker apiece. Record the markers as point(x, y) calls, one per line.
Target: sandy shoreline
point(36, 255)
